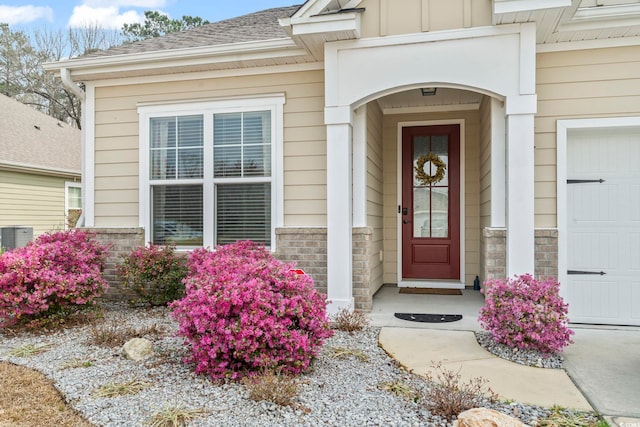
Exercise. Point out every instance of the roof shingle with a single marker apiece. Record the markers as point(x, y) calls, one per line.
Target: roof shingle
point(256, 26)
point(33, 139)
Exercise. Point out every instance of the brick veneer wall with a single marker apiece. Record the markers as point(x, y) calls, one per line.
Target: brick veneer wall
point(121, 241)
point(493, 254)
point(362, 252)
point(307, 246)
point(494, 249)
point(546, 242)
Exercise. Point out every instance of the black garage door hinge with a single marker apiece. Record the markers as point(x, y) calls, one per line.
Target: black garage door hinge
point(600, 273)
point(584, 181)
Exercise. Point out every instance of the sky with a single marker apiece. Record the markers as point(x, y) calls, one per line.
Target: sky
point(111, 14)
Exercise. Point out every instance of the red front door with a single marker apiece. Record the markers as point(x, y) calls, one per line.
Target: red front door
point(431, 202)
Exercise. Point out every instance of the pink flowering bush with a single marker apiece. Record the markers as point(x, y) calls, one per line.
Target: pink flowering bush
point(525, 313)
point(55, 271)
point(245, 312)
point(155, 273)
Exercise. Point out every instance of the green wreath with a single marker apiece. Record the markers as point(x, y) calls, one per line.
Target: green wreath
point(424, 177)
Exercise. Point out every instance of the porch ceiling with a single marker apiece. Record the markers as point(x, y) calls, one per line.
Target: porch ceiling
point(582, 20)
point(445, 98)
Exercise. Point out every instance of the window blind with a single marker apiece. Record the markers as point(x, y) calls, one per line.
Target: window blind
point(177, 215)
point(243, 212)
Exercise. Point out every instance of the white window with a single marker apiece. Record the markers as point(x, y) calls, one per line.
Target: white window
point(72, 203)
point(210, 172)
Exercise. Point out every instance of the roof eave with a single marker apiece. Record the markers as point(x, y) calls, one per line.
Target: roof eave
point(313, 32)
point(39, 170)
point(85, 68)
point(516, 6)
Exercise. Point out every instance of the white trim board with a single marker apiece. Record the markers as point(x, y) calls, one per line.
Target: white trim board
point(201, 75)
point(463, 249)
point(438, 284)
point(89, 148)
point(588, 44)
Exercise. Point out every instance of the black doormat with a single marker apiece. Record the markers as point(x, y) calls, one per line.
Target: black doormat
point(429, 318)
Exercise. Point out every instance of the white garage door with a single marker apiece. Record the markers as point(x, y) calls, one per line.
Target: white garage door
point(603, 214)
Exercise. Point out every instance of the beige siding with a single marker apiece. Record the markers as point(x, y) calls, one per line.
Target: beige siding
point(485, 162)
point(577, 85)
point(375, 191)
point(472, 189)
point(32, 200)
point(392, 17)
point(116, 143)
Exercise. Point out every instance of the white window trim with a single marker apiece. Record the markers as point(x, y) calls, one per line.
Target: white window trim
point(272, 102)
point(67, 185)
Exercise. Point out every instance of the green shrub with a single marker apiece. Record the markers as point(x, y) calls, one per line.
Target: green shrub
point(154, 273)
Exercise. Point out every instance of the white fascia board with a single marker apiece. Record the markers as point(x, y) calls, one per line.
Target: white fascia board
point(515, 6)
point(607, 12)
point(190, 56)
point(588, 44)
point(326, 24)
point(39, 170)
point(312, 7)
point(213, 74)
point(600, 23)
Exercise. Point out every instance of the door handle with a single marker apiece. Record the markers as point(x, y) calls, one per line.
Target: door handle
point(405, 221)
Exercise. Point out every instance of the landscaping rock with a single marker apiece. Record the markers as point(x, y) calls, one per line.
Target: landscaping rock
point(482, 417)
point(138, 349)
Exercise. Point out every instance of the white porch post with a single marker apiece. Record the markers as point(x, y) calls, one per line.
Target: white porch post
point(339, 208)
point(360, 167)
point(498, 165)
point(520, 194)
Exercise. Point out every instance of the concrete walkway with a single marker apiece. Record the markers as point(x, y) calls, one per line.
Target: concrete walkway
point(605, 364)
point(418, 349)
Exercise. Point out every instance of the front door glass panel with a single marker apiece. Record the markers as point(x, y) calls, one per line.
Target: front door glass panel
point(431, 186)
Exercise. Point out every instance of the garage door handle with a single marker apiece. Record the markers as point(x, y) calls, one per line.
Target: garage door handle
point(572, 272)
point(584, 181)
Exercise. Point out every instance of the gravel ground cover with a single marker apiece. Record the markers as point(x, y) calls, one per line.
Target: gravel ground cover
point(522, 357)
point(343, 388)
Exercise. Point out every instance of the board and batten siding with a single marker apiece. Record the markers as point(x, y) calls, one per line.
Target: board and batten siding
point(116, 140)
point(470, 157)
point(375, 198)
point(580, 84)
point(32, 201)
point(394, 17)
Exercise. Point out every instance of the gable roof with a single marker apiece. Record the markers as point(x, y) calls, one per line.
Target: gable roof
point(252, 27)
point(31, 140)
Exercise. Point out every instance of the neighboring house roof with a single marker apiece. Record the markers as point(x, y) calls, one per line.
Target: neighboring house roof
point(253, 27)
point(31, 140)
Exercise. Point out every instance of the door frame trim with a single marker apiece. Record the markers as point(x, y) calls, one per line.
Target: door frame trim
point(563, 127)
point(436, 283)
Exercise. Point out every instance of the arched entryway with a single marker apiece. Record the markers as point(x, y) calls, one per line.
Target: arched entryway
point(360, 106)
